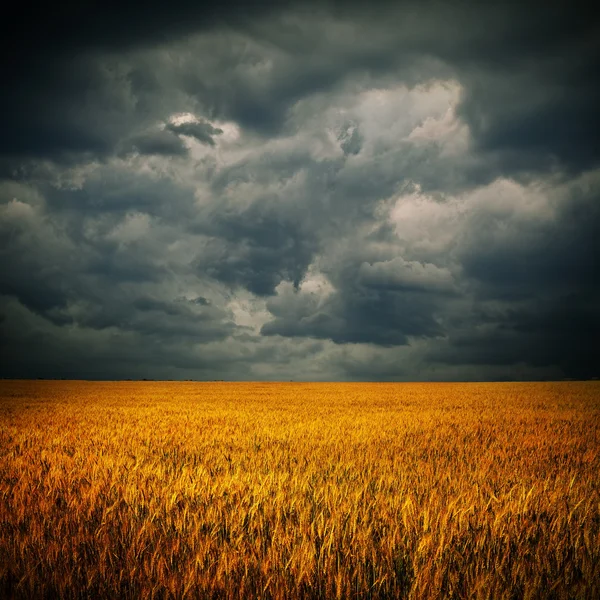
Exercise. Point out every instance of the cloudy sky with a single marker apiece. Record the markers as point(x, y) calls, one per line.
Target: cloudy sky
point(300, 190)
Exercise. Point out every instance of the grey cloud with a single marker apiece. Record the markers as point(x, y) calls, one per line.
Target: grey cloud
point(560, 334)
point(551, 256)
point(351, 141)
point(201, 300)
point(117, 189)
point(108, 353)
point(269, 59)
point(159, 142)
point(95, 280)
point(354, 314)
point(535, 121)
point(36, 258)
point(202, 131)
point(399, 274)
point(129, 250)
point(534, 289)
point(259, 254)
point(68, 107)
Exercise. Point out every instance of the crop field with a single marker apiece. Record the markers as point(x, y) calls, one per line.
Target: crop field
point(299, 490)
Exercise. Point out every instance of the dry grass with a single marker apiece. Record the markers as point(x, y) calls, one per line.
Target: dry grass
point(217, 490)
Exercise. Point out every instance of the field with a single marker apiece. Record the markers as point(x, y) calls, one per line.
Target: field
point(291, 490)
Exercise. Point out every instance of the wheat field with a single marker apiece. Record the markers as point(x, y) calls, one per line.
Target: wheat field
point(299, 490)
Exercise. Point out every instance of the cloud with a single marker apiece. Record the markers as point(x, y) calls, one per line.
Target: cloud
point(352, 314)
point(201, 131)
point(159, 142)
point(253, 66)
point(399, 274)
point(300, 190)
point(257, 250)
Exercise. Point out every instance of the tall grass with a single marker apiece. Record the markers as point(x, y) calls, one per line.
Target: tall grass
point(218, 490)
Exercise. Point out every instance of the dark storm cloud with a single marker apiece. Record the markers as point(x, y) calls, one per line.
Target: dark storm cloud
point(536, 118)
point(58, 108)
point(544, 280)
point(531, 258)
point(562, 333)
point(351, 141)
point(356, 316)
point(163, 143)
point(260, 250)
point(524, 67)
point(167, 320)
point(201, 131)
point(398, 274)
point(107, 353)
point(99, 277)
point(205, 189)
point(112, 190)
point(258, 244)
point(386, 304)
point(35, 260)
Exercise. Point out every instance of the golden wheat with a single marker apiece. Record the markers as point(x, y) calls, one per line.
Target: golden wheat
point(219, 490)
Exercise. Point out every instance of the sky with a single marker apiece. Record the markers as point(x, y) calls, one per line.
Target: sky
point(300, 190)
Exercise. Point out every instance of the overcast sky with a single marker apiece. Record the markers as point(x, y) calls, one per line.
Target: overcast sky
point(300, 190)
